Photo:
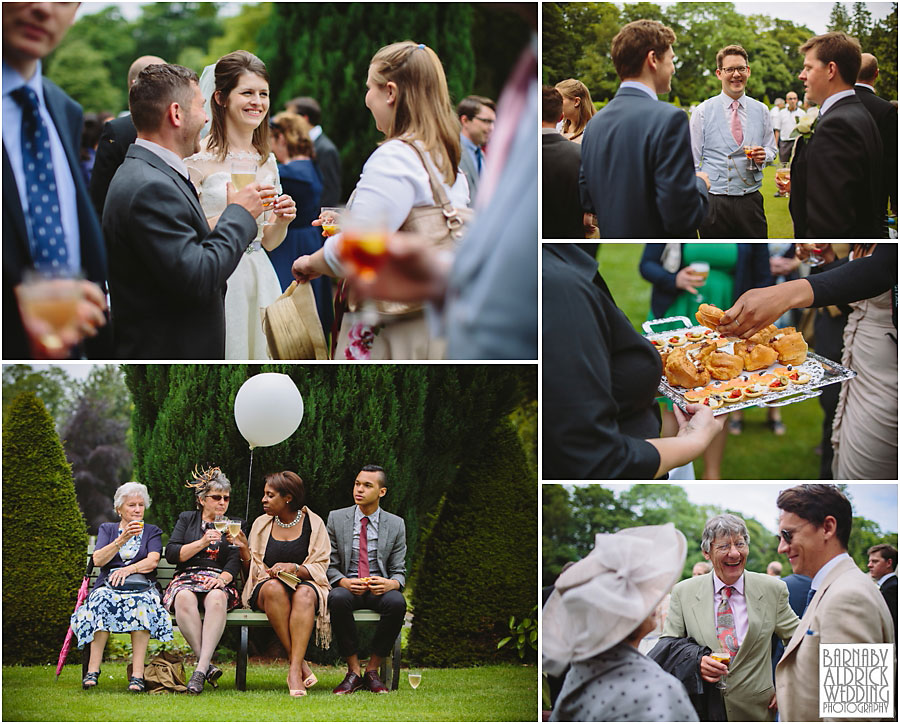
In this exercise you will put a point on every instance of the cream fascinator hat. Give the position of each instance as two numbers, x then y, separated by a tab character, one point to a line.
607	595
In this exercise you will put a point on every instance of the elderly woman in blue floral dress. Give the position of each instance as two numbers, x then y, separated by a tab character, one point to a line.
125	598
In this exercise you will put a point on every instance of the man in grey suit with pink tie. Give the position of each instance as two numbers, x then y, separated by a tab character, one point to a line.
637	172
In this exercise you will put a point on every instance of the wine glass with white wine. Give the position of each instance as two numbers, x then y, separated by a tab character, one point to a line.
415	678
723	657
234	529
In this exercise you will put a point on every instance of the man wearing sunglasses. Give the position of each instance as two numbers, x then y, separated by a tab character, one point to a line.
843	605
732	140
735	611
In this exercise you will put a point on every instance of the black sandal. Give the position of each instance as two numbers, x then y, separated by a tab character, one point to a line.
90	680
213	674
139	682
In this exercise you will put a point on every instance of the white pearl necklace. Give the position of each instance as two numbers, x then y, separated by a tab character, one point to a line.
288	525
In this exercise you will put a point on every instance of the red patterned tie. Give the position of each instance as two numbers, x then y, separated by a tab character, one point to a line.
363	566
725	622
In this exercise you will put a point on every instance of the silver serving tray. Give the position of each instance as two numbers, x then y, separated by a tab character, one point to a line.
822	372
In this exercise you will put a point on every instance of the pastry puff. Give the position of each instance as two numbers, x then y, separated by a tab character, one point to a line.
755	356
790	346
683	371
709	315
724	366
764	335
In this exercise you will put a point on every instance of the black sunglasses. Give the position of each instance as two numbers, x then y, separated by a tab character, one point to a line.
788	535
217	498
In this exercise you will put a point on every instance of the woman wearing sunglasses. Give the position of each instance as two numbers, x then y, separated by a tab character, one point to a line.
206	569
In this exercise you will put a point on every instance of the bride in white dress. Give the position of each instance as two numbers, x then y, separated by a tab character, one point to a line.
239	108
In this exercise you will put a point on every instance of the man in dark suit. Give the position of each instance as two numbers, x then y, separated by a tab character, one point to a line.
167	269
885	115
637	173
328	159
562	212
118	134
367	570
883	569
836	175
48	222
798	587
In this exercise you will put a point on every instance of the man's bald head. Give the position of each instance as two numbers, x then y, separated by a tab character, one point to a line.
141	63
868	69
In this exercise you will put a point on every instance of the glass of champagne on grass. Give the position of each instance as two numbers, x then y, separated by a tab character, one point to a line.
415	678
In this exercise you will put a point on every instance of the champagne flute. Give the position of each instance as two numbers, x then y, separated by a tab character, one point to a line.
51	296
723	657
700	268
415	678
783	175
234	529
269	203
243	173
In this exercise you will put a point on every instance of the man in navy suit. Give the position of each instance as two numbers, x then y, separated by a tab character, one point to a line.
48	221
836	176
885	115
637	173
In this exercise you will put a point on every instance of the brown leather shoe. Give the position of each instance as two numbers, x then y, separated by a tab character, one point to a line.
352	682
374	684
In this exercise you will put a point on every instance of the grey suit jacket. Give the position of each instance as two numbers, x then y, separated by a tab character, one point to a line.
167	269
467	166
391	545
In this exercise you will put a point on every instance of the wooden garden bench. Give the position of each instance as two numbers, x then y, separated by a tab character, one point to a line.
245	618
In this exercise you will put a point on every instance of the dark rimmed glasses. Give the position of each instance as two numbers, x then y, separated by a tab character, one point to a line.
218	497
788	535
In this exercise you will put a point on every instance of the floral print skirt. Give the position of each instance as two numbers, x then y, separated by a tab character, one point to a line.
191	580
121	612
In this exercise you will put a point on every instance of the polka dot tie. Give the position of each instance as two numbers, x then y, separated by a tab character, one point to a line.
48	244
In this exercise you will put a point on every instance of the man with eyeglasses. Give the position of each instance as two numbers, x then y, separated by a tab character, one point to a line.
476	119
735	611
843	607
732	141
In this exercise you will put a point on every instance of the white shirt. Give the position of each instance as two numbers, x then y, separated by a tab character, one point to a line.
170	157
639	86
881	580
393	181
787	122
12	141
866	85
832	99
823	571
314	133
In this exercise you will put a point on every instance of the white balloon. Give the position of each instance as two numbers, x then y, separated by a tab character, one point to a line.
268	409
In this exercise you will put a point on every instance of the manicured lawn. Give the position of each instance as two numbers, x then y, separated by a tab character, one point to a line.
490	693
777	213
757	453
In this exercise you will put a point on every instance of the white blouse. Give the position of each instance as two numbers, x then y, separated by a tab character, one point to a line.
392	183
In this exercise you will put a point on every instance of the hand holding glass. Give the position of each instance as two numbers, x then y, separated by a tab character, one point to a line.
330	220
50	298
783	179
701	269
723	657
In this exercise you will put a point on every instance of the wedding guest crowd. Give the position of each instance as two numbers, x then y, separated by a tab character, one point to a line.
176	236
713	660
648	172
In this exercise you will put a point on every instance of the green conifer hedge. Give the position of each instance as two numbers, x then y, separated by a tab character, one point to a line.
479	563
44	536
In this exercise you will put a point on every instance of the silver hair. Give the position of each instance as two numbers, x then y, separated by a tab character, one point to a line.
725	525
126	490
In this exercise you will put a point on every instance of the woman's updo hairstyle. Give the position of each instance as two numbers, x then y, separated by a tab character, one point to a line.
422	111
207	481
229	70
295	131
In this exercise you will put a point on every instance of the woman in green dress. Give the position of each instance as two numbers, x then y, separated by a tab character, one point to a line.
679	291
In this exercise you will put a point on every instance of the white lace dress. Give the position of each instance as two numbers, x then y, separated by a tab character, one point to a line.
254	284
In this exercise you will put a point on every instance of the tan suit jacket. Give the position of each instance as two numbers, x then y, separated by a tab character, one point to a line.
691	613
847	608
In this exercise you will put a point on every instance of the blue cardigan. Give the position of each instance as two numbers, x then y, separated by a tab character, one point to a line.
752	270
150	543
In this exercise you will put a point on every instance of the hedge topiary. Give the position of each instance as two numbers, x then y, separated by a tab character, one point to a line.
44	536
478	563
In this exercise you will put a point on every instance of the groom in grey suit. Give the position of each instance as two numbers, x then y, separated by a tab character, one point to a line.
374	580
167	269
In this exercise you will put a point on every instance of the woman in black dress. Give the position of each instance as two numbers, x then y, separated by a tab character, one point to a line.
206	570
289	538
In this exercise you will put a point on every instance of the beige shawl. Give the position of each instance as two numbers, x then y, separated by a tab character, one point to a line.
316	563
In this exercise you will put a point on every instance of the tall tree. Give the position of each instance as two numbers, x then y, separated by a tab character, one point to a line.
44	537
883	45
839	20
338	40
168	29
239	32
861	24
53	386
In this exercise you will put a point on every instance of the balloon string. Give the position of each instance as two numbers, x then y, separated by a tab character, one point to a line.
249	477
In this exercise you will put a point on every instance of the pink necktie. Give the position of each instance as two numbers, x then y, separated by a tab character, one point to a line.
736	129
363	567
